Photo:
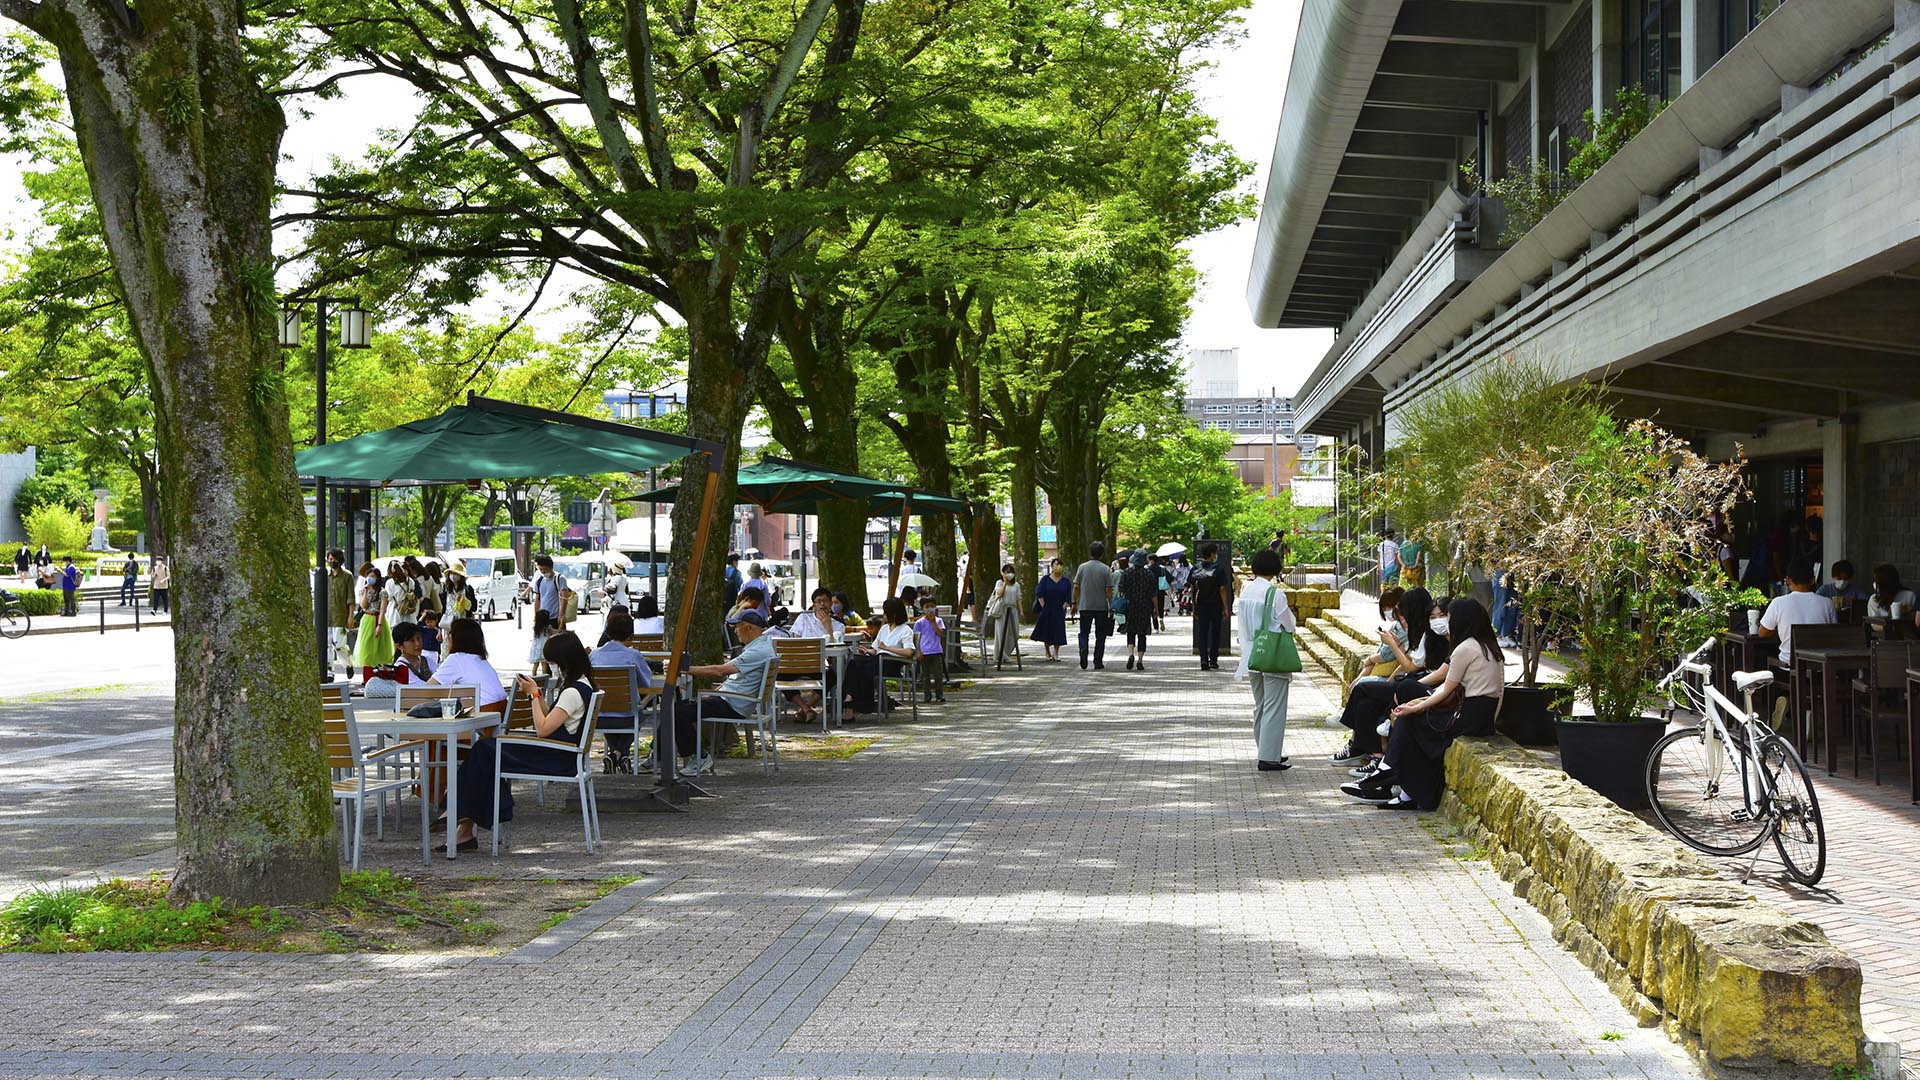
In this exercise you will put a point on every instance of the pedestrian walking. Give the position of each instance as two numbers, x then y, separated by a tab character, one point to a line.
618	590
69	587
22	562
1263	606
340	606
547	590
1141	588
1093	600
129	578
1181	574
1212	593
1389	560
930	635
42	558
158	594
1163	584
1003	616
373	643
730	589
1050	599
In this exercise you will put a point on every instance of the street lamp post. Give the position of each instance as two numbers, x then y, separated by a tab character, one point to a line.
355	330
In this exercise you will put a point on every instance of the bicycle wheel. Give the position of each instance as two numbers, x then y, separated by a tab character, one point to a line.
1798	832
1703	813
14	623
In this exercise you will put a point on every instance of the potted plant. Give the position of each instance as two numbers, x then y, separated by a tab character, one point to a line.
1605	524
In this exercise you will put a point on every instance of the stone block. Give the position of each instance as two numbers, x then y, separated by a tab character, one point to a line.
1743	981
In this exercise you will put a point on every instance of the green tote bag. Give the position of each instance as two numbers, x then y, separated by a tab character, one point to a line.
1272	651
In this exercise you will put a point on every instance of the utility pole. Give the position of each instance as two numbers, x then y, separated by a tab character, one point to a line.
1273	425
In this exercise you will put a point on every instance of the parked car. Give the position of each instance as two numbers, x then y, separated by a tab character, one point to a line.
781	576
587	576
494	576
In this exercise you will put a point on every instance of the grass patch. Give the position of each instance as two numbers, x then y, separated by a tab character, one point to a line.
49	696
374	911
810	747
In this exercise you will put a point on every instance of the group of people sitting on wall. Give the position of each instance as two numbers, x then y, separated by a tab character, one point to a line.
1438	674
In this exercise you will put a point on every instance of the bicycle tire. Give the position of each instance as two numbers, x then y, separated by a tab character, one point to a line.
1675	768
15	623
1799	833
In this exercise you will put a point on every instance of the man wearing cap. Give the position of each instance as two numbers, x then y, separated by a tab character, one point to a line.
744	674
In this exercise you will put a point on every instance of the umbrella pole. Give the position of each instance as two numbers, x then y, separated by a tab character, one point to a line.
672	789
973	556
900	544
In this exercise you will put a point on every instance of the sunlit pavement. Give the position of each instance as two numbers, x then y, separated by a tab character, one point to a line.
1059	873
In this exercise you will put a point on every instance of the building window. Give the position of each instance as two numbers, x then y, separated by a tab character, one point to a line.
1250	407
1739	17
1650	46
1215	410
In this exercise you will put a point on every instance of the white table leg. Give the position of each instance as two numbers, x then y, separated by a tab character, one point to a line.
426	807
453	795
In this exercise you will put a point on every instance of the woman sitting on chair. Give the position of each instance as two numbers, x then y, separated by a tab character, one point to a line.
559	719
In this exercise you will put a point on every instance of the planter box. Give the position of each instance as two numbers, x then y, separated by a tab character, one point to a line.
1527	714
1610	757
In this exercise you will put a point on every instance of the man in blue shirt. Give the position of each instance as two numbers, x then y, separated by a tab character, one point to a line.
546	589
1843	584
731	590
745	674
69	588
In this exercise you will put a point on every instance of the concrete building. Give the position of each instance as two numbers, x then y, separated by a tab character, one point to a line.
1746	271
14	470
1213	373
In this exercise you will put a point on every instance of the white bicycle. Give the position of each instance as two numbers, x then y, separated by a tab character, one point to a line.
1731	784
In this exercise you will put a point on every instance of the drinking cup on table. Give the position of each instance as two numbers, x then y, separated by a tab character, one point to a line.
1753	620
449	708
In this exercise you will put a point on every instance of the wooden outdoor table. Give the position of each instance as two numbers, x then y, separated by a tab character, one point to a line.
1741	651
1830	661
1913	729
399	725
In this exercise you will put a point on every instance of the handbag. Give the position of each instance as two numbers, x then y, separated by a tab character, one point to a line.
1272	652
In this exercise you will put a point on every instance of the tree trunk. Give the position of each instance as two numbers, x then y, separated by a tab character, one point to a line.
148	472
180	145
1026	522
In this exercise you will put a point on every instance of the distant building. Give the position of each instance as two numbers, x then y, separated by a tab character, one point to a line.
1243	415
1213	373
14	470
626	403
1259	459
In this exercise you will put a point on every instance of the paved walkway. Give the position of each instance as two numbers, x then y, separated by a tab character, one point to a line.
1061	874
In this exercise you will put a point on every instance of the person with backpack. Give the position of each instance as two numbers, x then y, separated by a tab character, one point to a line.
69	588
129	578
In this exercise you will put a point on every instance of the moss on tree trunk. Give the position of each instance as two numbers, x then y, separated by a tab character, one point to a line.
180	144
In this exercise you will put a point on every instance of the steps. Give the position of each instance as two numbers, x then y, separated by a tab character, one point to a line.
1336	647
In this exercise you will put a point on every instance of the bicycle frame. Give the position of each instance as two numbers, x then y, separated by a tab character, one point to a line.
1714	708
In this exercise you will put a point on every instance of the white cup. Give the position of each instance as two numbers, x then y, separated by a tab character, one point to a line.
449	708
1753	620
839	635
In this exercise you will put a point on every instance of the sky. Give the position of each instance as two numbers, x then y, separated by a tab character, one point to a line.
1243	90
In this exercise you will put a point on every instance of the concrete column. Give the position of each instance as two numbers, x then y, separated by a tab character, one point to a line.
1606	53
1540	103
1699	39
1843	474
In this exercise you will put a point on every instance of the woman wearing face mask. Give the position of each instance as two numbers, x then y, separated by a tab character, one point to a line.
1369	703
1003	617
843	610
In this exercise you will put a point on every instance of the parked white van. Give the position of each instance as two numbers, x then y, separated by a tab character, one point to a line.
493	575
587	575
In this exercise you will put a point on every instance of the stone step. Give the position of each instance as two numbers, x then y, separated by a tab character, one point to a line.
1359	629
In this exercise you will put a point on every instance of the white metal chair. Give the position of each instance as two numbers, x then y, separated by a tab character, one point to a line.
755	708
582	776
904	670
801	665
351	784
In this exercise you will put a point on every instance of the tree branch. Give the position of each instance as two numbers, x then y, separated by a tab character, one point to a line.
31	15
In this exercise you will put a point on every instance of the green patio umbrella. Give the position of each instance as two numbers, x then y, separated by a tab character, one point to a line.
490	440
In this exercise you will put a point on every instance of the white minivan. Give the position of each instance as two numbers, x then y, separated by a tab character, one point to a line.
587	575
494	576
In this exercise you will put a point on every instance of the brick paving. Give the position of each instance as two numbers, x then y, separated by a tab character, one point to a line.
1060	874
1869	900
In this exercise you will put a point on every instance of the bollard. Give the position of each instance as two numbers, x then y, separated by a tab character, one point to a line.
136	615
103	615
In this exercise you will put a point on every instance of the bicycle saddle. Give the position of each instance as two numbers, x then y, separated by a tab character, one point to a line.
1744	681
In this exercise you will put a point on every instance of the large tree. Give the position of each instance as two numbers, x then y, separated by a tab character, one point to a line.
180	142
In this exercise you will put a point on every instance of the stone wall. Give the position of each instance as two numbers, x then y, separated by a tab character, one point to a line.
1737	980
1892	509
1519	137
1572	66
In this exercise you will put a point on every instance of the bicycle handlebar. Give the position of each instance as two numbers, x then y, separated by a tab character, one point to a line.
1690	664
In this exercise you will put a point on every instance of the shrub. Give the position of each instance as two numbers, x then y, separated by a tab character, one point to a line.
1530	192
63	530
40	601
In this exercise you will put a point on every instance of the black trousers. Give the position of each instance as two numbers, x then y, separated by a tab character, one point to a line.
480	786
1206	631
1100	624
1370	702
1417	751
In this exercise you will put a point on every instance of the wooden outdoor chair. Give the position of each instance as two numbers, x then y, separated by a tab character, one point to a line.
351	782
757	712
625	707
1881	693
801	666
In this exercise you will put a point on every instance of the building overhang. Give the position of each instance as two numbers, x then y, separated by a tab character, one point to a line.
1383	99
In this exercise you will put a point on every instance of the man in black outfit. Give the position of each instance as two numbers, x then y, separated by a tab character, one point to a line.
1210	600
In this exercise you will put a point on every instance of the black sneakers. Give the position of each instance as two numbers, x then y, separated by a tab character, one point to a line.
1275	766
1347	757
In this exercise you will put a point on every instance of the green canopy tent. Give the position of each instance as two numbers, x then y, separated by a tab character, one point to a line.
488	439
780	486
